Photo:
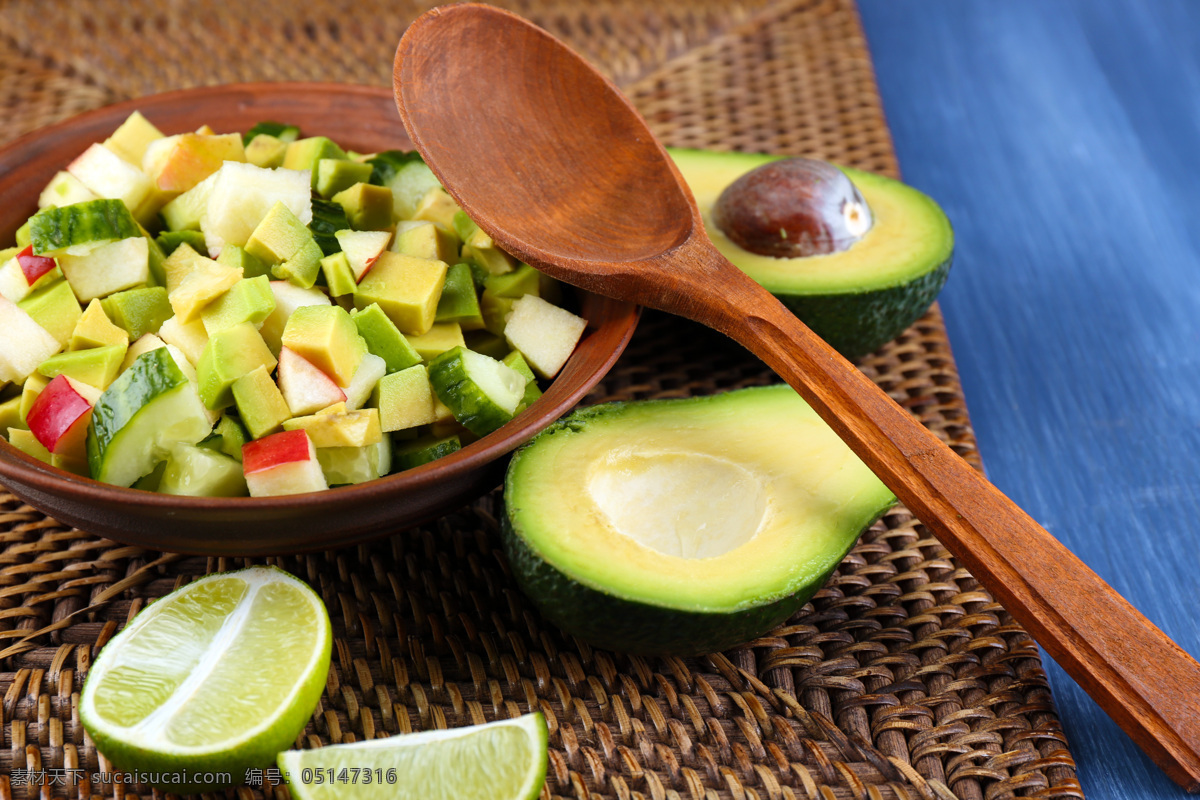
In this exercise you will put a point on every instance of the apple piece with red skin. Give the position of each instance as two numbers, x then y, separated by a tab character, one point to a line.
304	386
282	463
60	415
177	163
362	248
34	267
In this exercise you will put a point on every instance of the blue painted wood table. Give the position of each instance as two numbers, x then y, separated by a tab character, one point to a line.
1062	139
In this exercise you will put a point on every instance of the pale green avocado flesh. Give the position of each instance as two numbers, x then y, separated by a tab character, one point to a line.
684	526
857	299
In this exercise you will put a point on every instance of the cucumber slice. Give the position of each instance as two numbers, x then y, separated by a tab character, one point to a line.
78	229
149	408
482	393
423	450
201	472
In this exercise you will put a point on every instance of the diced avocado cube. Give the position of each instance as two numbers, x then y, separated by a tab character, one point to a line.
229	355
29	391
458	302
155	259
24	235
326	337
424	239
95	329
307	153
28	444
97	367
438	207
10	414
495	311
208	281
464	226
170	241
227	437
338	275
532	392
246	301
279	236
138	311
368	207
406	288
238	258
517	283
260	403
302	268
423	450
76	466
480	249
55	308
343	429
335	175
384	339
441	337
405	399
266	151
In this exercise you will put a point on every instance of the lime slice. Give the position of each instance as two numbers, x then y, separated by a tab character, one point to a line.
211	680
503	760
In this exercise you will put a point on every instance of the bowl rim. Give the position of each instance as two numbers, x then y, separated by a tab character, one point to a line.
22	468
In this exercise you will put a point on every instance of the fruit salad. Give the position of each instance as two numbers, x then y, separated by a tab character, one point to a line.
261	313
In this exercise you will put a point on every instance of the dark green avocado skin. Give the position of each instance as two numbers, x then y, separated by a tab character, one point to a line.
612	623
858	324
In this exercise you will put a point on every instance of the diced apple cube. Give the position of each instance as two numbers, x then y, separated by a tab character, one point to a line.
109	268
131	139
282	463
368	374
65	189
545	334
243	194
108	175
362	248
60	415
306	389
190	158
24	345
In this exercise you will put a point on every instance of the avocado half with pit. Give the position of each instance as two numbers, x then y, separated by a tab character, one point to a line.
859	298
684	526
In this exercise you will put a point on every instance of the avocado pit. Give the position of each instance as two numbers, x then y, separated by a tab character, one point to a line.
795	207
682	504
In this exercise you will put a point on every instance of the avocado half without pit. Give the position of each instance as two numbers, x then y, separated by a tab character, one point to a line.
684	526
856	256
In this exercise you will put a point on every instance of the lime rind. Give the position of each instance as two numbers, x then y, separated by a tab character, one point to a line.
443	772
144	745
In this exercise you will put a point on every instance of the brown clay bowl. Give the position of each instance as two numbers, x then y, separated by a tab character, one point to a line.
361	118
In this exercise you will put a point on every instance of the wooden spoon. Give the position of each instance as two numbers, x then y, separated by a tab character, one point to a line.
558	167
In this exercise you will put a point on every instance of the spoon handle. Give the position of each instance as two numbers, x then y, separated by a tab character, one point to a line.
1145	681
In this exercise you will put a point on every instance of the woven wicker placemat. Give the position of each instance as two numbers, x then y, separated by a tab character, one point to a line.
903	677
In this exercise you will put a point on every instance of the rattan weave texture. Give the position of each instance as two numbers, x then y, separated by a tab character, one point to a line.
903	678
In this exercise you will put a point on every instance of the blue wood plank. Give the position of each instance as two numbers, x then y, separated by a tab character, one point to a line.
1062	139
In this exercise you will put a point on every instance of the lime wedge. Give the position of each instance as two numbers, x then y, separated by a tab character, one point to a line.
503	760
211	680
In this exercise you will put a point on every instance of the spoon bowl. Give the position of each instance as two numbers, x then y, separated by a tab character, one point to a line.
558	167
